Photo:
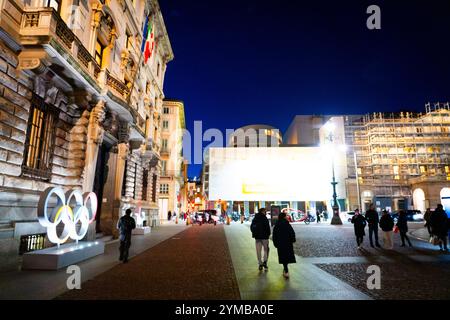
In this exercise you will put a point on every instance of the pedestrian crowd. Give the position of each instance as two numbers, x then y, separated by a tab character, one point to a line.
436	221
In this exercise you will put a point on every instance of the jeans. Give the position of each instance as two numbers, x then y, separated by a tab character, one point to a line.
359	240
443	241
124	248
373	230
260	244
404	237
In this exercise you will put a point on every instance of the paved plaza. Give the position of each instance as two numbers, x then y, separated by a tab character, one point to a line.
219	262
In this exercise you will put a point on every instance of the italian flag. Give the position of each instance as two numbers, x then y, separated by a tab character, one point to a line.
148	40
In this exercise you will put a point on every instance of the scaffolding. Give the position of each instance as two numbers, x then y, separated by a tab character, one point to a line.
392	148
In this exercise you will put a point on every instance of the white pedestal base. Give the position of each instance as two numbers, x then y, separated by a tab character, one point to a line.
55	258
141	230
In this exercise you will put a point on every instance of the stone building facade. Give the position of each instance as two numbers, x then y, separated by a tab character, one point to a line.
78	109
172	181
402	159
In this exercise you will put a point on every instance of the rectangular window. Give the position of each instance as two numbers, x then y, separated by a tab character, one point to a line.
166	110
144	184
99	47
157	70
164	188
165	124
154	181
129	44
423	169
163	167
164	144
55	4
40	140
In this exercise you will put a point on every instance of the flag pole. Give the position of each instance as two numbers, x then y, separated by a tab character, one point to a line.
138	68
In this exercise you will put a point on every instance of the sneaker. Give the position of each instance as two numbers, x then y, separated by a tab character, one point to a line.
286	274
260	267
359	248
265	265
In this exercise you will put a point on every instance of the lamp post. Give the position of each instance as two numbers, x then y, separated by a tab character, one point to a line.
336	220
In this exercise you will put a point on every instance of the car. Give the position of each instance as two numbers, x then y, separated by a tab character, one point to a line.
348	215
411	215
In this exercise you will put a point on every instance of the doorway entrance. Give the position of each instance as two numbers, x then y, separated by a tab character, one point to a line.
101	174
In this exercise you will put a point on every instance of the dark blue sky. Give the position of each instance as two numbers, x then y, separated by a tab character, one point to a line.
239	62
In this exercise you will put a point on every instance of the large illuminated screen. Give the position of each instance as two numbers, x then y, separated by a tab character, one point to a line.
270	174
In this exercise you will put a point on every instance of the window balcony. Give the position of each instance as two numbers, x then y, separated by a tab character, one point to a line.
47	41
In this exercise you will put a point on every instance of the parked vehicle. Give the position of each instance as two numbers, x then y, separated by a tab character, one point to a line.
411	215
348	215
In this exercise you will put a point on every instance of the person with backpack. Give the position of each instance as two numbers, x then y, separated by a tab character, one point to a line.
126	224
359	223
387	225
283	239
260	229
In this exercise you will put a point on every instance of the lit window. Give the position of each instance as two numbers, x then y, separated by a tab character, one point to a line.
129	43
395	169
423	169
40	140
397	177
99	52
447	169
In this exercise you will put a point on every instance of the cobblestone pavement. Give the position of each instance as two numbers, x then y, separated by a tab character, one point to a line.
194	264
420	272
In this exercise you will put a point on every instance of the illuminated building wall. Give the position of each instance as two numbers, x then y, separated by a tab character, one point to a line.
402	159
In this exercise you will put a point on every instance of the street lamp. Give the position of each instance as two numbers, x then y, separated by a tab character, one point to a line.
336	220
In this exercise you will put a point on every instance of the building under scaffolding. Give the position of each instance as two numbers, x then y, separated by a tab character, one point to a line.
402	159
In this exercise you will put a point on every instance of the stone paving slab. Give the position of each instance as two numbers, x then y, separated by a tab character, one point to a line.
306	280
194	265
43	285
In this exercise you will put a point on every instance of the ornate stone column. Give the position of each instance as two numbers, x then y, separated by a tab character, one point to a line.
94	140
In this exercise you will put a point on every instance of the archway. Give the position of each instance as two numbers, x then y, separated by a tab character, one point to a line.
445	200
419	200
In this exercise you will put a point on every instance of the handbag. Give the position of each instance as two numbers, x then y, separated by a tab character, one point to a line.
434	240
396	229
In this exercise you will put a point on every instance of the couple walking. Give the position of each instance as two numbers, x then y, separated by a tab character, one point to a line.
283	238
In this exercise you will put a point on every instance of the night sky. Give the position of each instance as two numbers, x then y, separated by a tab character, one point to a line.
240	62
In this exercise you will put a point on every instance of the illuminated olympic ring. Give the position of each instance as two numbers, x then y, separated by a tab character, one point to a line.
75	220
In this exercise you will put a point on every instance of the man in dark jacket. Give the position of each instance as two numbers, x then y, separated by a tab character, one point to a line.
439	226
387	225
126	224
359	223
260	228
373	220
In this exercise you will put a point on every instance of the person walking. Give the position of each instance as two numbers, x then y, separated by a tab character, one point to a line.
126	224
439	226
242	217
169	215
387	225
283	239
402	224
427	217
260	228
373	221
318	216
359	223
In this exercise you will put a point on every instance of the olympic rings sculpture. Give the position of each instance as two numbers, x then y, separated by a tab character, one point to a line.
75	221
